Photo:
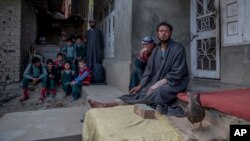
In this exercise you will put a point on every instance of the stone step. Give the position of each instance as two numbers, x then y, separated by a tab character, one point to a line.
104	93
47	51
208	131
44	125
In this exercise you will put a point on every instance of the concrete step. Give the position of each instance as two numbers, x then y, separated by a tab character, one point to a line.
104	93
208	85
54	124
44	125
208	131
223	120
47	51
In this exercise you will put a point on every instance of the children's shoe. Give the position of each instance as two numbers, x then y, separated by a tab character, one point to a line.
52	96
40	100
48	95
52	100
72	100
65	95
25	95
43	93
23	98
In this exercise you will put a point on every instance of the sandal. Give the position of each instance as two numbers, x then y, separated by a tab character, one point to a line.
175	111
171	110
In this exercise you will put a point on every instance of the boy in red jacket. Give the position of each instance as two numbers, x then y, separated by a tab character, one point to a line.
83	78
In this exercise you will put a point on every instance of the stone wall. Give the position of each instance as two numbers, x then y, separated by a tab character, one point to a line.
147	14
18	32
235	65
10	29
118	68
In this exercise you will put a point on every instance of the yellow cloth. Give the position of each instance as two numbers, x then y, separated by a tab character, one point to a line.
122	124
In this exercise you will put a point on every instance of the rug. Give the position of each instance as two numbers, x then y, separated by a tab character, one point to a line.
232	102
122	124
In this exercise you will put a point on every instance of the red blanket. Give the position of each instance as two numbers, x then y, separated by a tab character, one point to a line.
231	102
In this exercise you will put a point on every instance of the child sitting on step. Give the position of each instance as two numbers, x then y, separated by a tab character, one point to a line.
59	65
35	72
67	76
51	79
83	78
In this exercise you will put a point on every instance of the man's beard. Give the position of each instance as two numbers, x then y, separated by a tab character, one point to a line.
164	41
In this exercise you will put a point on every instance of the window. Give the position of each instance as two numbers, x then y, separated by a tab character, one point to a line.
235	20
107	24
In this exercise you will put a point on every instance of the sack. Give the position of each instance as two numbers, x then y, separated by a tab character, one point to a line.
98	73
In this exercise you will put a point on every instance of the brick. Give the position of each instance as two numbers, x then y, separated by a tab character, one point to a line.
16	79
144	111
3	77
8	81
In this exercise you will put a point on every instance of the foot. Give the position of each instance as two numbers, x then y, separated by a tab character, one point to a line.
65	95
48	95
72	100
40	100
22	99
95	104
51	100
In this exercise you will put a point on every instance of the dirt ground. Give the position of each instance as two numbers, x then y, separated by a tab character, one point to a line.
32	103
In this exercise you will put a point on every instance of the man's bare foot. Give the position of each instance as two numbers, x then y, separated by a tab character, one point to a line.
95	104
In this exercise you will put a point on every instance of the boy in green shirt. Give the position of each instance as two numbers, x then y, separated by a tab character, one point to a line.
35	72
80	49
68	75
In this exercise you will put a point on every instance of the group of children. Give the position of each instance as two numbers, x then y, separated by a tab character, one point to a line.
74	50
71	74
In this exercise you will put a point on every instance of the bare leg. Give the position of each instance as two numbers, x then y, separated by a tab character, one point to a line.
200	124
96	104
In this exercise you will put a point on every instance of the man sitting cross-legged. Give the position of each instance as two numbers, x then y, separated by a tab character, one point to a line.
166	74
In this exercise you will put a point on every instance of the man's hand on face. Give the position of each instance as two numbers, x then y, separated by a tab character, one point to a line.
143	51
